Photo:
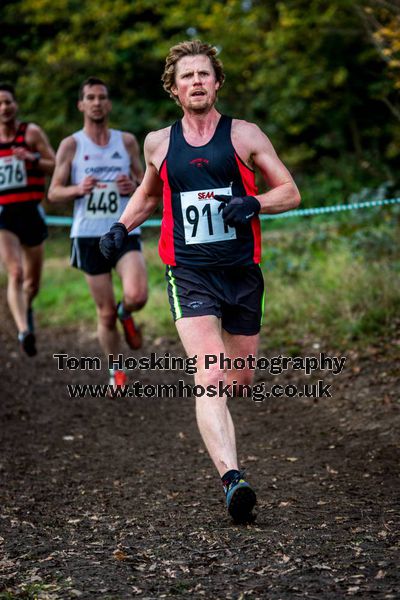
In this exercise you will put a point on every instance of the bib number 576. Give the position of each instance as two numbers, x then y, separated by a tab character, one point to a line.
12	173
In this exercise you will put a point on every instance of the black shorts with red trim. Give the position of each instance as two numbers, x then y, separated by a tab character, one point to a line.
26	220
233	294
86	255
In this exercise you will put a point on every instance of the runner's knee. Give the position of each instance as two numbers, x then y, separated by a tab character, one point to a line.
15	274
211	375
135	300
244	377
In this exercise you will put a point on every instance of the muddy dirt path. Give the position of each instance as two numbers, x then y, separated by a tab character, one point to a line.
116	498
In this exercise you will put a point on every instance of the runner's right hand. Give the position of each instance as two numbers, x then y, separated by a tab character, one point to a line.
86	185
113	242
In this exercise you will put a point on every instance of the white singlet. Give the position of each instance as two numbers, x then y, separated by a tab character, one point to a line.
96	212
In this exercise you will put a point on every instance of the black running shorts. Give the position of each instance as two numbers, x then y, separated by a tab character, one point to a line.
26	220
86	255
234	294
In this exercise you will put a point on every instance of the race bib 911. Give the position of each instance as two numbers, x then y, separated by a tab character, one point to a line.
202	217
12	173
103	200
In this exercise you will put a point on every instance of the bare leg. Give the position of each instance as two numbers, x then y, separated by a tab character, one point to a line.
201	336
239	346
11	257
102	292
32	258
132	270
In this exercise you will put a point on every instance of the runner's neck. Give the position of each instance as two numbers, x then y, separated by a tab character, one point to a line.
98	133
8	131
199	129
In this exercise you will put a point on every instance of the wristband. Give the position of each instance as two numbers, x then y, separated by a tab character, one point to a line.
37	157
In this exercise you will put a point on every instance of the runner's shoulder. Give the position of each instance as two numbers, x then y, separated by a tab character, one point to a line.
67	148
129	139
241	127
156	142
33	128
248	138
34	133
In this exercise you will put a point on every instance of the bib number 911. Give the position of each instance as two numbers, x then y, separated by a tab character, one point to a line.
103	200
202	217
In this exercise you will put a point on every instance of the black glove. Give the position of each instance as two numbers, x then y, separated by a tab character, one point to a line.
112	243
239	210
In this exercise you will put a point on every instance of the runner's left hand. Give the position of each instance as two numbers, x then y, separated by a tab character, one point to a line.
126	186
238	210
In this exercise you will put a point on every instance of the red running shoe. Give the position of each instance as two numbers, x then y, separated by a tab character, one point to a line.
118	379
133	335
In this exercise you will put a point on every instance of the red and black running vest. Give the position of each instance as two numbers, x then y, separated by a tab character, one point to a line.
20	181
192	231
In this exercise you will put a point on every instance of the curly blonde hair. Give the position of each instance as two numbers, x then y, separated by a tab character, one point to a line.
189	48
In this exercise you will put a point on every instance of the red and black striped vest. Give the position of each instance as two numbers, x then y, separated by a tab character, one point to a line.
19	182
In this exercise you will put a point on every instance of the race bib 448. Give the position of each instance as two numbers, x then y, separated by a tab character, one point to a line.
202	217
103	200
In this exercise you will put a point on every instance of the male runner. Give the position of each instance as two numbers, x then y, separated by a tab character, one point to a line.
202	168
26	156
99	168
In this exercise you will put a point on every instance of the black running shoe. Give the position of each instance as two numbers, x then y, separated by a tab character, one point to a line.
240	499
27	342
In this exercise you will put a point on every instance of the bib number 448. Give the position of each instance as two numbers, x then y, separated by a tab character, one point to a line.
103	200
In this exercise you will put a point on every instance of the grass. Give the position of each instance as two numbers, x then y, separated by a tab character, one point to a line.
64	299
330	280
338	300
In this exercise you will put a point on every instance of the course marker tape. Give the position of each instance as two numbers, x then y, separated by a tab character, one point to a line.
302	212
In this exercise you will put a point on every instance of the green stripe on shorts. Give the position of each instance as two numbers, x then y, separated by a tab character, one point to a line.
262	307
177	306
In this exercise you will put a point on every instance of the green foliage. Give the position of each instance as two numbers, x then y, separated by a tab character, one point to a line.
319	76
337	300
334	279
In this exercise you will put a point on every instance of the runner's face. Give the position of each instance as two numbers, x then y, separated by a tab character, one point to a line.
95	104
8	107
195	83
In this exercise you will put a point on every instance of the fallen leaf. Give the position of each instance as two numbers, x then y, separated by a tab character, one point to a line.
380	574
120	554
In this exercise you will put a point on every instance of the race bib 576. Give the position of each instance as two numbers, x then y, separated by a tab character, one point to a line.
12	173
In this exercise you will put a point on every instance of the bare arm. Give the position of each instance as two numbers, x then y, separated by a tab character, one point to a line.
128	183
38	143
60	190
133	149
253	145
149	193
